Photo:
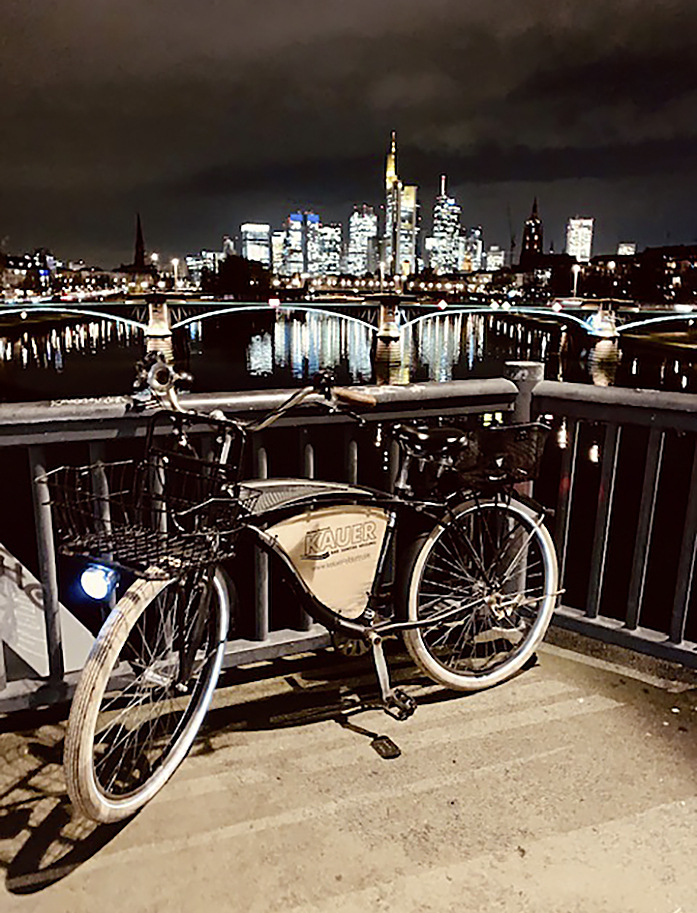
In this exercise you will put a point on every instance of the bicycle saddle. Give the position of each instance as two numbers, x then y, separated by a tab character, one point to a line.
429	442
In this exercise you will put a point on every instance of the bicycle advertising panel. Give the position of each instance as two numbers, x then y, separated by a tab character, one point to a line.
335	551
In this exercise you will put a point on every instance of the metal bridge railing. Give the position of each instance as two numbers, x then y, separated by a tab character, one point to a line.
626	515
47	435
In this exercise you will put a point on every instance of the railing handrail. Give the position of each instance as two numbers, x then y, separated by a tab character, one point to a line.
103	417
619	405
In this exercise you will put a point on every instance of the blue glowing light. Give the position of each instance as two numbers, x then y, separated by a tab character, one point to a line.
98	581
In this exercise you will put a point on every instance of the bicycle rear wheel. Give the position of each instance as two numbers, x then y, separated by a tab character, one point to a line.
144	692
484	585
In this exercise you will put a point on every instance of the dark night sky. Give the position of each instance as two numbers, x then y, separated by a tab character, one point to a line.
205	114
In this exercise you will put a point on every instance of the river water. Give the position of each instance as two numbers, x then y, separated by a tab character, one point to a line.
55	357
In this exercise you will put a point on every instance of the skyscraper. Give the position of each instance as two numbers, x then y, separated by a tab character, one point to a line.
293	246
531	247
361	257
579	238
401	218
256	242
330	244
312	244
444	253
278	244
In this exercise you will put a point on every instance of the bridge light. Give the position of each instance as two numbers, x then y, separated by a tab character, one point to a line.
594	453
98	582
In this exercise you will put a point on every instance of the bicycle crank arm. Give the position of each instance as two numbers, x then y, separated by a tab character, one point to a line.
395	702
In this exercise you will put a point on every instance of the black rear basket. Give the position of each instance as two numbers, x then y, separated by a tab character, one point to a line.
502	454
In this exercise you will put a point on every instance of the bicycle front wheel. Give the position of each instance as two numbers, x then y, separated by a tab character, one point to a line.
144	692
482	586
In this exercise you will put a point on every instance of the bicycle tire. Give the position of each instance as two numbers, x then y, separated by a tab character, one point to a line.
139	637
489	571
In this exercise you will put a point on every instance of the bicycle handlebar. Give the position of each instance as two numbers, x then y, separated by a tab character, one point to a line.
161	381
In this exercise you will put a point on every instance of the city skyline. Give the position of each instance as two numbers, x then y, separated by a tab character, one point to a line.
206	117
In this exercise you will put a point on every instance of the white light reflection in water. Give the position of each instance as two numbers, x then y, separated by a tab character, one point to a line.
260	355
308	343
47	349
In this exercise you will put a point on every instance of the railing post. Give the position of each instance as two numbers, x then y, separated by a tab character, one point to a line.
47	564
261	559
159	332
525	375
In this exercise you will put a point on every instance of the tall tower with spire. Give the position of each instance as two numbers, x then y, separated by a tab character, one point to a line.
401	218
531	246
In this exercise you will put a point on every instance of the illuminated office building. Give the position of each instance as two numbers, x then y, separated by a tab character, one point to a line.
294	246
401	219
579	238
533	236
361	257
312	244
330	244
495	258
444	248
471	250
278	243
207	260
626	249
256	242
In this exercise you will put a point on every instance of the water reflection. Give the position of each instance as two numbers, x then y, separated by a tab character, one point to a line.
44	358
49	348
308	343
448	346
603	362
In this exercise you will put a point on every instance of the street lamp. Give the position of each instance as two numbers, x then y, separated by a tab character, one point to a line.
575	270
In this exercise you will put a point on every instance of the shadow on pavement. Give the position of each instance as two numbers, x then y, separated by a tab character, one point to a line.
40	840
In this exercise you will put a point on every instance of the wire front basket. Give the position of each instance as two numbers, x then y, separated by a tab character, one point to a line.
156	517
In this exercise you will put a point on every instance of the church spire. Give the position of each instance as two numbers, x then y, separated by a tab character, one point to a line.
139	256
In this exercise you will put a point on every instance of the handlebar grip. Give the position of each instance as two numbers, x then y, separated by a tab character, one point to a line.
354	396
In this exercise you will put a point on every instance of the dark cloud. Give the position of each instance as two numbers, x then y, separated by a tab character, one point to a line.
206	114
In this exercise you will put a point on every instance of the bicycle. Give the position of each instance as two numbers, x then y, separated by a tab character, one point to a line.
471	591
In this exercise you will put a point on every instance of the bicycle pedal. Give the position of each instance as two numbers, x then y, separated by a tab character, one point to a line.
400	705
385	747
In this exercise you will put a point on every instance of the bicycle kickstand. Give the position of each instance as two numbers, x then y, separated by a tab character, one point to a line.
395	702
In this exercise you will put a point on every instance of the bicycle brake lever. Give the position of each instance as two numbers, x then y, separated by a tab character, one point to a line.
333	406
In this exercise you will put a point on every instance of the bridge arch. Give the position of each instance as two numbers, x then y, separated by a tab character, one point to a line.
650	321
558	316
78	312
265	308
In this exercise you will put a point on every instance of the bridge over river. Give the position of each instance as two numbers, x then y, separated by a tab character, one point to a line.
579	314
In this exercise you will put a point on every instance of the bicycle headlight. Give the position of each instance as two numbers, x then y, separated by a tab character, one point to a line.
98	582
